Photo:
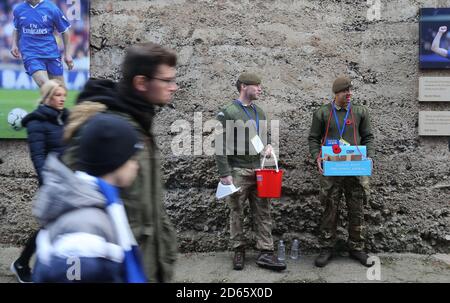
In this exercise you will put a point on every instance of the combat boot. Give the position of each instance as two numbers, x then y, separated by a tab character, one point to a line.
239	259
323	258
267	259
361	256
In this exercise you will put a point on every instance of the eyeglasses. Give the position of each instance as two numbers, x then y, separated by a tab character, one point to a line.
168	81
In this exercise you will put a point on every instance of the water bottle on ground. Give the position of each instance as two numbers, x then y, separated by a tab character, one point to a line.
281	251
294	250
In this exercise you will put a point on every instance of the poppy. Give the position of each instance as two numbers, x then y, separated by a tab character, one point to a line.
336	149
348	122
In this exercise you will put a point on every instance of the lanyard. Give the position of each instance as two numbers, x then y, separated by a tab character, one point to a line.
341	132
248	115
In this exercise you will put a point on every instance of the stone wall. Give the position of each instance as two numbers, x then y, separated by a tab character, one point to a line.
298	47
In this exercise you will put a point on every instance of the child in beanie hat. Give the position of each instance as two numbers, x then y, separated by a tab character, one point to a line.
106	143
82	215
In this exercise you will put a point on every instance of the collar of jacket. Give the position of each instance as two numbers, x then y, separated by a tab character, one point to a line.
47	113
340	107
118	97
137	107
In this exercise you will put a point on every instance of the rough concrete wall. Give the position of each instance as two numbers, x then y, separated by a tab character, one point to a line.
299	47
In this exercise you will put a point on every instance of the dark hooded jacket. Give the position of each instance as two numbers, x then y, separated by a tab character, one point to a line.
144	198
45	127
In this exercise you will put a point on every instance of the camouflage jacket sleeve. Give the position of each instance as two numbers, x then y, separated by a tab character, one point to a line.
220	146
365	131
316	134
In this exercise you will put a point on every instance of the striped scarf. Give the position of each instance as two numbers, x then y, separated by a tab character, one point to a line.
134	272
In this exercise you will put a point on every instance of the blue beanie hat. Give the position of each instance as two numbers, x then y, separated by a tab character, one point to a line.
107	142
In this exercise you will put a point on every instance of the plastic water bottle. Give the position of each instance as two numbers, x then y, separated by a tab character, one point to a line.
281	251
294	250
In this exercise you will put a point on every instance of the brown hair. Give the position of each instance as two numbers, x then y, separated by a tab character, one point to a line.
144	59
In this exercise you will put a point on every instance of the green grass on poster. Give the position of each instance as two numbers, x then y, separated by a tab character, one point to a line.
25	99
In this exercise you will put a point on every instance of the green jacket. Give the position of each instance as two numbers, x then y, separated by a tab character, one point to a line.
364	135
233	146
143	200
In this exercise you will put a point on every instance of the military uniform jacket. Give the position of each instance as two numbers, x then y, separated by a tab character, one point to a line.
358	123
233	146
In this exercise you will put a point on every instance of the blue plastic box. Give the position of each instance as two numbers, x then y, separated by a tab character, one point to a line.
351	161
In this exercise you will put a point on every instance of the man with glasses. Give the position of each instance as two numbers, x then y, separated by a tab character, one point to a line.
148	80
341	122
244	127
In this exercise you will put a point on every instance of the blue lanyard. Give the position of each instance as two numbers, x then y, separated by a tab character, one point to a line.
248	115
341	132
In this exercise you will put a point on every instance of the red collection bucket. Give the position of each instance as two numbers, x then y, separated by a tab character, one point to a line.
268	181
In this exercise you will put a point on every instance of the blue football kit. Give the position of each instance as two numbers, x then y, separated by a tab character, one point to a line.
37	44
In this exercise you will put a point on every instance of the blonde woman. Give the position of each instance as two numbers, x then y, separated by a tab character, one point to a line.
45	131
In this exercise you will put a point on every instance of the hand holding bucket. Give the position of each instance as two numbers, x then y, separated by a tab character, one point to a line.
268	181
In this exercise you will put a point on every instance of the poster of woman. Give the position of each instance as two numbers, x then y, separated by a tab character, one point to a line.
39	40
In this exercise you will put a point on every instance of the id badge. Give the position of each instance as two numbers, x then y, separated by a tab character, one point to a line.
257	144
331	142
342	142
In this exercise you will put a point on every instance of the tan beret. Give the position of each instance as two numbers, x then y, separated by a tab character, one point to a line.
249	79
341	83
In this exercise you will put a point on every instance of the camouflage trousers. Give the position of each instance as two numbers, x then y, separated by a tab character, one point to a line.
260	209
356	193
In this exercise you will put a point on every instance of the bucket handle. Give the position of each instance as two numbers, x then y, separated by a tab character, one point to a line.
264	160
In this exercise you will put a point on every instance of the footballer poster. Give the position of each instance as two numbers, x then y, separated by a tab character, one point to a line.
39	39
434	38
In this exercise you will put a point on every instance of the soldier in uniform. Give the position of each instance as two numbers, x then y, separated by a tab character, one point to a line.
344	123
244	127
